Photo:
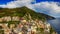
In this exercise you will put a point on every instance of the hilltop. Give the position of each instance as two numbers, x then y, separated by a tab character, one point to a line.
23	11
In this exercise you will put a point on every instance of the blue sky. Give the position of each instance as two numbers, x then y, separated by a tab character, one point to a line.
50	7
5	1
48	0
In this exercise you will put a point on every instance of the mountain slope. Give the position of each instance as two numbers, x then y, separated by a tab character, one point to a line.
22	11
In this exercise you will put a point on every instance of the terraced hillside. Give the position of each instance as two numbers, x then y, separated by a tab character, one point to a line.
24	21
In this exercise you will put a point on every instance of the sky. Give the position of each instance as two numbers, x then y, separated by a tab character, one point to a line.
50	7
5	1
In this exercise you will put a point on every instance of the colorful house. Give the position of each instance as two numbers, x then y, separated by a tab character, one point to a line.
25	21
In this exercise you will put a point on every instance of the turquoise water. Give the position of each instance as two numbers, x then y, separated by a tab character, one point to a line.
55	24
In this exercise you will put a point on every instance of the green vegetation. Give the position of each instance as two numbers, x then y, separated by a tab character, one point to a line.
21	12
52	30
1	31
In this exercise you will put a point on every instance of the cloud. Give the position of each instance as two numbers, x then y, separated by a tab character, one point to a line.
3	6
47	6
16	3
51	8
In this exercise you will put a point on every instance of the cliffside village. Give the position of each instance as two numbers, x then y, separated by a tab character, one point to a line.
25	26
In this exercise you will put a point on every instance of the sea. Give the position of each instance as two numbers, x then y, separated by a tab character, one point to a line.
55	23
